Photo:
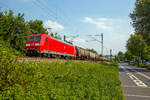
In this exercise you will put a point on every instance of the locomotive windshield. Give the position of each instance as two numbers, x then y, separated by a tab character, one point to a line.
34	38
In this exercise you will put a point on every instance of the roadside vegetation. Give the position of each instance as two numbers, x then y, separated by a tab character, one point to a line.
55	80
60	81
138	45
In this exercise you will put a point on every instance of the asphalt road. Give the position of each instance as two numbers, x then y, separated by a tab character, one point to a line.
135	82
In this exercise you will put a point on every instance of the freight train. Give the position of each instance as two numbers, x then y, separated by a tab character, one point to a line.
45	45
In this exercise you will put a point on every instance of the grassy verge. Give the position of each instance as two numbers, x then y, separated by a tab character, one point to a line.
61	81
55	80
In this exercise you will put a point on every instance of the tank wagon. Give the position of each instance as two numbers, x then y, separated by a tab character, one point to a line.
45	45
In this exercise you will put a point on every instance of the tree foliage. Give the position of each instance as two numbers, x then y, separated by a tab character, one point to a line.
117	59
13	29
128	55
92	50
121	55
141	19
137	46
36	26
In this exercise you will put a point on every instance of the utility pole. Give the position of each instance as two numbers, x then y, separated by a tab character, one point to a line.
110	54
102	44
101	41
64	37
71	38
49	30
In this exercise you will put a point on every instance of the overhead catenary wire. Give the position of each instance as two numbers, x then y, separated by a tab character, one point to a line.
100	41
6	6
58	15
63	16
43	8
46	7
53	14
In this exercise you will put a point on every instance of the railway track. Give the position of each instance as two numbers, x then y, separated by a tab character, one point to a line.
44	59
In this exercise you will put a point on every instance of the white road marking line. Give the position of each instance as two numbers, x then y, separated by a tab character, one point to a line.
125	70
142	96
141	74
137	81
144	75
127	86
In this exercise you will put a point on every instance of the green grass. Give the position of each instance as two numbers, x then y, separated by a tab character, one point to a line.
61	81
56	81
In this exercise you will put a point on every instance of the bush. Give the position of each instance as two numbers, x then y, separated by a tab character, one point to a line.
11	72
66	80
145	66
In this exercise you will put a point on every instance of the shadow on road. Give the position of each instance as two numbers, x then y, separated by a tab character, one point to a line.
129	68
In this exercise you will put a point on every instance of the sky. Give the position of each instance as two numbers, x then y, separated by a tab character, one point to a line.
81	20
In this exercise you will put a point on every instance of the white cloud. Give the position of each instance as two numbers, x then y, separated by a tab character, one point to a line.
54	25
89	20
79	40
104	19
101	23
116	32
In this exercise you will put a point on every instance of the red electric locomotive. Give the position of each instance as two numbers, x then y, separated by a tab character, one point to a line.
43	44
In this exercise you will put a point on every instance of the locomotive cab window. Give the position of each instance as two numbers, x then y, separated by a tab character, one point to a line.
30	38
34	38
37	38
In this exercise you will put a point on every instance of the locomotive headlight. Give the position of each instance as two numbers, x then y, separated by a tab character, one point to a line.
27	44
37	44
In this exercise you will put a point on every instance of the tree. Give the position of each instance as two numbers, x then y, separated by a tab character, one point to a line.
13	29
92	50
141	19
146	56
137	46
117	59
36	27
121	55
128	55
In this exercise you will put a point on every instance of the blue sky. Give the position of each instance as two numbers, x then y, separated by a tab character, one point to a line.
82	18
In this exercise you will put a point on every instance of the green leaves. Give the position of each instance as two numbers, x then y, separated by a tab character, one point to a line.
14	29
37	27
67	80
136	47
141	19
136	44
